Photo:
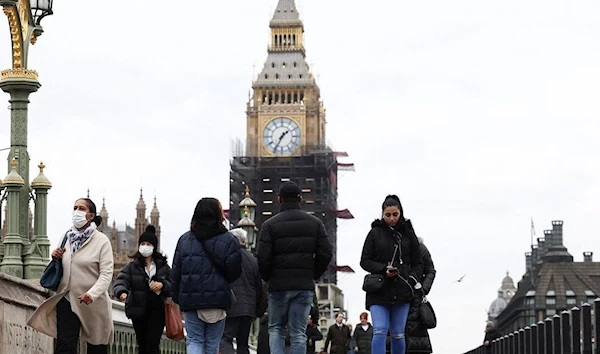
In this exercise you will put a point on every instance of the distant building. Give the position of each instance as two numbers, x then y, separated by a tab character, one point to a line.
124	240
505	294
553	282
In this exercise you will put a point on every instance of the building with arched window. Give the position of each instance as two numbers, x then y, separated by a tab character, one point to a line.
553	282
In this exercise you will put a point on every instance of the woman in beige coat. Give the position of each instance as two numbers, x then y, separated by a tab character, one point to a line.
81	306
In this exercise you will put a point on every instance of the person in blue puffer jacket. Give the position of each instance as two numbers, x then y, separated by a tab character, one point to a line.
207	259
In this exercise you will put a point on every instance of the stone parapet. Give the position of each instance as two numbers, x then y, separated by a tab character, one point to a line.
18	299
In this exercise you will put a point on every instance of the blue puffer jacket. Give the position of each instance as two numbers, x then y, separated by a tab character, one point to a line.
195	282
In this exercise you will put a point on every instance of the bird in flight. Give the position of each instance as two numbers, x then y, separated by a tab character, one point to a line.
459	279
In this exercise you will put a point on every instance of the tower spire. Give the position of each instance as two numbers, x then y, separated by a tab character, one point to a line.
286	14
155	221
140	220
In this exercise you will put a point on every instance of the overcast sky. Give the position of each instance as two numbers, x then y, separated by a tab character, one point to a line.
478	115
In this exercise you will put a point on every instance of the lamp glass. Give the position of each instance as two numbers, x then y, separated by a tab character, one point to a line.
40	9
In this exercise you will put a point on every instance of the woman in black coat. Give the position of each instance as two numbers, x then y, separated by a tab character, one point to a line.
143	285
391	253
362	339
417	337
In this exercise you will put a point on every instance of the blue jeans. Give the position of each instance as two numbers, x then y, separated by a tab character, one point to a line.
291	308
202	337
392	317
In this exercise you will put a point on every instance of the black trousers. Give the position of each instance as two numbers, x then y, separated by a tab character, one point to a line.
149	329
238	328
68	328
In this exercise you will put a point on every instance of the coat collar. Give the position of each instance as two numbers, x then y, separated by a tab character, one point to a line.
289	206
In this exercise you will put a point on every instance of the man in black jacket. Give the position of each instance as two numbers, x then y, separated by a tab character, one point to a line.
247	290
293	252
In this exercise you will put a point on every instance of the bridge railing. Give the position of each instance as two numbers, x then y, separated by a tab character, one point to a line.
124	340
572	331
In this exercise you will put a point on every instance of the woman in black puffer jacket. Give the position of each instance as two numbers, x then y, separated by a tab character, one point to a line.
417	337
143	285
391	251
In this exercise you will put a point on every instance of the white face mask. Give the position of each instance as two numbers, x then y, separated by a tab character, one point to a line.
79	218
146	251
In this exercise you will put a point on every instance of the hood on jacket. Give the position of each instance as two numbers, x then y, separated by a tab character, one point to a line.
205	229
381	223
421	242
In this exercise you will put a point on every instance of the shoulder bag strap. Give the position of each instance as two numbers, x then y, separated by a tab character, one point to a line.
210	257
64	240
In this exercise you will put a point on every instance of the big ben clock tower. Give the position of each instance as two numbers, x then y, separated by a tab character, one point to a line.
285	116
285	138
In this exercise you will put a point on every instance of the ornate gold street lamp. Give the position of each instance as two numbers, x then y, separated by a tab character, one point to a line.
21	254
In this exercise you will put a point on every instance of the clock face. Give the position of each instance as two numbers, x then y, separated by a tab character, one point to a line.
282	136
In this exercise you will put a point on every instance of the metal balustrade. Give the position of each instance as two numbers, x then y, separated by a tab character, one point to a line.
570	332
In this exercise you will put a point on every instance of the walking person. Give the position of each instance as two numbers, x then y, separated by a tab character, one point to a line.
338	335
207	259
293	252
362	339
417	336
81	307
247	290
391	250
144	284
313	334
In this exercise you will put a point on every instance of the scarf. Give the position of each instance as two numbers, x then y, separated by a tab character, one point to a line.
77	238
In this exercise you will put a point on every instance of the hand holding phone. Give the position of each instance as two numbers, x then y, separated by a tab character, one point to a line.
391	271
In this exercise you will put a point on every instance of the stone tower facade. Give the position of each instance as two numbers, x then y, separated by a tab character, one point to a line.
285	115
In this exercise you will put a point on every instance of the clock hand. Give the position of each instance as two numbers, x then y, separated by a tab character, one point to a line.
281	138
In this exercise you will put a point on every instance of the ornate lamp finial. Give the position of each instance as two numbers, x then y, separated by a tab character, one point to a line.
41	182
13	177
246	211
247	192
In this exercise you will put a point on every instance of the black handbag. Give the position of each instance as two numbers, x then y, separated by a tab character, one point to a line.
54	271
373	283
428	319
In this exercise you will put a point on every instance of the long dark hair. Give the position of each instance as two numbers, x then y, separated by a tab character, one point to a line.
391	201
208	212
92	210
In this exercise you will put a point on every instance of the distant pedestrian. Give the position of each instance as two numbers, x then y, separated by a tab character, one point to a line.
247	291
392	251
81	307
491	334
362	339
293	252
313	334
417	336
338	335
207	259
144	285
